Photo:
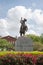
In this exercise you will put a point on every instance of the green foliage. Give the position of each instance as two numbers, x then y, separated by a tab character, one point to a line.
41	37
4	44
34	37
38	41
38	46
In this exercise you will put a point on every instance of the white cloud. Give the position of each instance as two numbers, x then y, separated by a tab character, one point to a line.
3	27
38	17
11	23
32	32
17	12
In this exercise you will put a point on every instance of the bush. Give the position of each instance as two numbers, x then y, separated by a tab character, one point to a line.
8	60
21	59
39	60
11	59
37	46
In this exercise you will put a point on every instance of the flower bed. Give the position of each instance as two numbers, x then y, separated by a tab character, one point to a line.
21	58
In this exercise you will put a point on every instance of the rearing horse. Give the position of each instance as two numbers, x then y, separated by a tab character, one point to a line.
23	27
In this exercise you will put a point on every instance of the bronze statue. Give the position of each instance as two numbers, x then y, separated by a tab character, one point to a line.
23	27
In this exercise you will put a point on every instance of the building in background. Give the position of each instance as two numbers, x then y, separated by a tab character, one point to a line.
10	39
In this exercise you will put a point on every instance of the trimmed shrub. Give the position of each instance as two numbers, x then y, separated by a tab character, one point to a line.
21	59
11	59
39	60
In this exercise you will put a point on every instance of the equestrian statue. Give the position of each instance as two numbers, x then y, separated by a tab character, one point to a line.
23	27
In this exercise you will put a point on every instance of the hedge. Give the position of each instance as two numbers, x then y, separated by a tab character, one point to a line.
21	58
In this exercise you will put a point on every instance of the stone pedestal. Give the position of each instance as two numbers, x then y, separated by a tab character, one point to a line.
24	44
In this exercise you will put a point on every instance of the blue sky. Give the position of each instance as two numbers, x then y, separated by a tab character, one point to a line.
7	4
12	10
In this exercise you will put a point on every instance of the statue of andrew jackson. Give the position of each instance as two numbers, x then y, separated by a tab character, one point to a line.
23	27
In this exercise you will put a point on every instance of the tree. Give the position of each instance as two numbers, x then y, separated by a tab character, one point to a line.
37	40
4	44
34	37
37	46
41	37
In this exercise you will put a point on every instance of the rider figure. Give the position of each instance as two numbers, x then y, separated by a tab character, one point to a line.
23	26
23	21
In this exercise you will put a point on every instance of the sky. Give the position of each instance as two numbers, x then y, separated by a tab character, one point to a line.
11	12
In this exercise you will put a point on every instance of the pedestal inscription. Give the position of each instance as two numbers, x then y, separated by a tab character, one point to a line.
24	44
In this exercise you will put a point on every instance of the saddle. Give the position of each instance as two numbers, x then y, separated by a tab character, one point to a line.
23	28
